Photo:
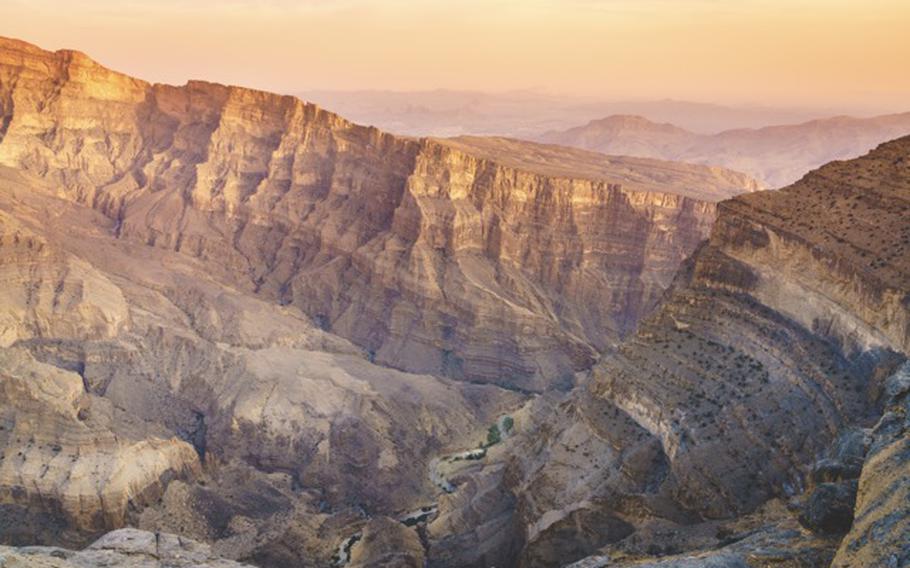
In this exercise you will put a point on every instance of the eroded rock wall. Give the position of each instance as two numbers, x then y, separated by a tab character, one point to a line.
435	256
775	339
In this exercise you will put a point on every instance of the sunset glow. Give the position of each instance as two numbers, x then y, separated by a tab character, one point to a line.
823	52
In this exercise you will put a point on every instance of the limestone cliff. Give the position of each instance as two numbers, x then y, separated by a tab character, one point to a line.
204	288
139	388
772	347
435	256
73	456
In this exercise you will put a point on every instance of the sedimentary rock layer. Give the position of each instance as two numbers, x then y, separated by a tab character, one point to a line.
772	346
127	548
436	256
778	336
138	388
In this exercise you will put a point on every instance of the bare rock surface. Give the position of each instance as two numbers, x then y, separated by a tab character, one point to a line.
73	455
515	265
123	547
239	318
880	533
761	377
186	405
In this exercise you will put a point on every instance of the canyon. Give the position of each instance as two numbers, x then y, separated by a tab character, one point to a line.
423	252
771	379
255	332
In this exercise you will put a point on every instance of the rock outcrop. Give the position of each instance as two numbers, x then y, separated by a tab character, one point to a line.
880	533
428	253
776	155
772	347
68	460
139	388
205	287
126	548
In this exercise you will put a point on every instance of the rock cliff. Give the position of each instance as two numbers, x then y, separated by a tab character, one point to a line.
236	317
880	531
430	254
138	388
741	406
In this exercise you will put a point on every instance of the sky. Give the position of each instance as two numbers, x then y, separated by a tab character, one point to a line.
832	53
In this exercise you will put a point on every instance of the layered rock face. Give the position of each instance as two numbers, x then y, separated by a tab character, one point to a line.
433	255
789	317
70	458
749	394
880	534
138	388
788	321
204	288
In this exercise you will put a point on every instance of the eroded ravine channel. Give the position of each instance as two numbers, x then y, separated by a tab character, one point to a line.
441	472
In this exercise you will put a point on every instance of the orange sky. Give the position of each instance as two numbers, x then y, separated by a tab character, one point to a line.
797	52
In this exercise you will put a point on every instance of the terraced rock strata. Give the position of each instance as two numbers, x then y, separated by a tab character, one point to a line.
435	256
774	345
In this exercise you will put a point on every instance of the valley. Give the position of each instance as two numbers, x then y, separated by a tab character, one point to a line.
238	329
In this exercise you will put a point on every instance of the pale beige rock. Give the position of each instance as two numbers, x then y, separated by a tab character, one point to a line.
492	261
295	425
44	294
775	338
62	449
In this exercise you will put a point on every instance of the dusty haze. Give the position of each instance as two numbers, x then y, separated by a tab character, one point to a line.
824	53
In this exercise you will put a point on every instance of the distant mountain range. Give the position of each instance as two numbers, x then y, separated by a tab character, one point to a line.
776	155
527	114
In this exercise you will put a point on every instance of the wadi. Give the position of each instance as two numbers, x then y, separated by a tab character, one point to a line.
238	329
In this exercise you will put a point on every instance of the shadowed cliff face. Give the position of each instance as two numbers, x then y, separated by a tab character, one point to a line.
776	341
138	387
779	336
181	267
433	255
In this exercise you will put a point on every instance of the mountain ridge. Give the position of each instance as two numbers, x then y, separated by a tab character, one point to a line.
776	154
736	424
233	316
276	187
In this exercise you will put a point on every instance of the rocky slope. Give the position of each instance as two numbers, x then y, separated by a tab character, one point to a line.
776	155
880	532
427	253
128	548
205	287
138	388
739	421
